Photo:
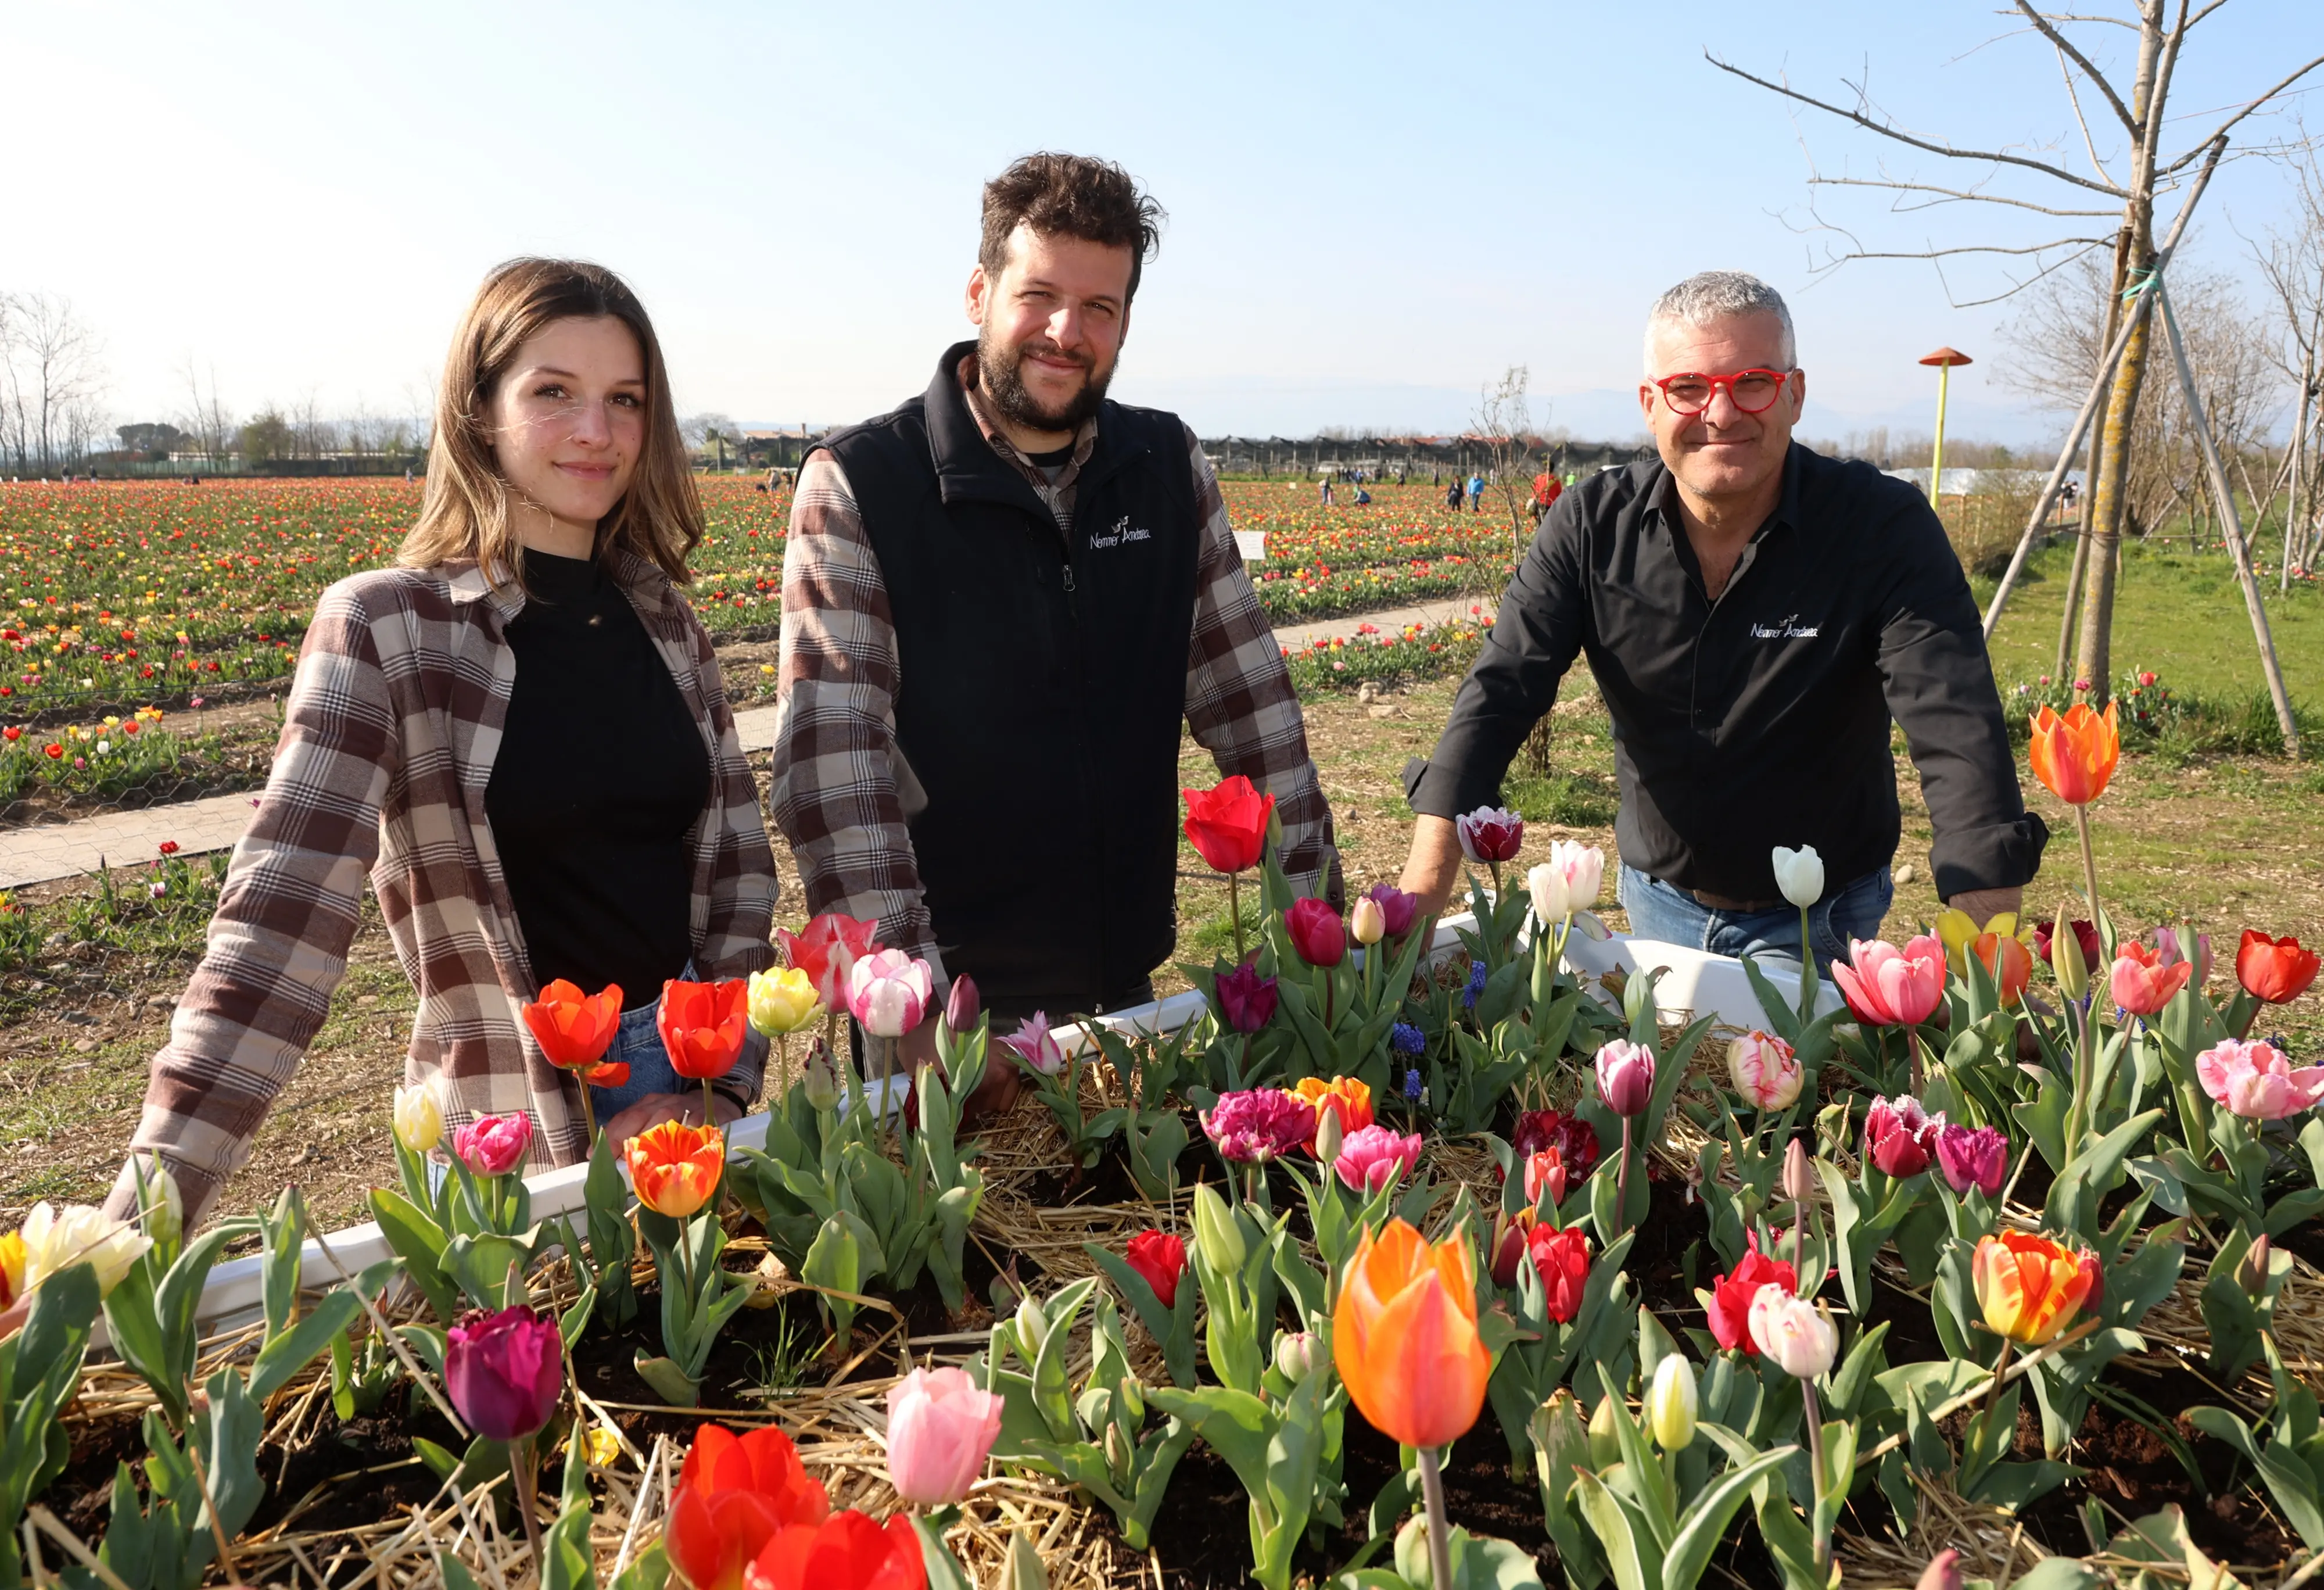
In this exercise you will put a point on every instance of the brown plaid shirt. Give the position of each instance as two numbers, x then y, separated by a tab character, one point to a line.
386	748
835	795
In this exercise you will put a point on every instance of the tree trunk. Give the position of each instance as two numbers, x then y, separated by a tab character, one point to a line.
2093	659
2096	461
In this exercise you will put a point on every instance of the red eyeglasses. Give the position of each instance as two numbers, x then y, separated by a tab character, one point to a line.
1753	391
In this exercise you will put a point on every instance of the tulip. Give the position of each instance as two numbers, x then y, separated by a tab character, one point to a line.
1799	875
782	1000
1626	1077
888	993
2276	971
1972	1157
1763	1070
1367	923
1246	999
1888	987
703	1025
1671	1403
1316	932
1161	1259
1545	1171
1733	1294
1398	910
1330	1137
2141	985
1349	1098
847	1551
2030	1287
1899	1136
2075	756
1568	882
1955	928
1943	1571
1403	1336
13	1263
1799	1172
573	1028
419	1118
819	1079
828	951
1574	1139
1218	1234
1605	1440
675	1168
2085	935
2252	1271
2007	962
2071	959
1033	1044
963	1006
162	1204
57	1239
1792	1333
1561	1259
505	1371
1258	1124
493	1145
1375	1157
2256	1081
733	1494
1508	1248
2194	949
1491	833
1227	825
941	1425
1294	1354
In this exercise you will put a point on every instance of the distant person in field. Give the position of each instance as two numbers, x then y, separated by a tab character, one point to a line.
1452	496
1754	614
1327	491
1003	603
519	733
1547	488
1476	493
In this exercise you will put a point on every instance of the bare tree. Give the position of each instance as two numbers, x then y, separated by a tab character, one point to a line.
207	419
1504	428
55	373
2124	190
2292	264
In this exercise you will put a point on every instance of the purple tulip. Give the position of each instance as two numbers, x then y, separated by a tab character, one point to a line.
1975	1157
964	1005
1400	909
1246	999
505	1371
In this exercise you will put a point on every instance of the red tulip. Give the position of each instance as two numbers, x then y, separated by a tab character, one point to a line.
2276	970
703	1025
2086	936
1228	825
572	1028
1732	1294
1900	1136
846	1552
1563	1257
1161	1259
827	951
733	1495
1316	931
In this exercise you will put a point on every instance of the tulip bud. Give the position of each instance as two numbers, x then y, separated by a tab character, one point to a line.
820	1079
1560	1444
2251	1272
1032	1327
1798	1173
1329	1134
1605	1443
2066	959
1116	1456
1217	1232
419	1118
1943	1571
1294	1354
963	1005
1670	1404
1366	922
1508	1250
165	1206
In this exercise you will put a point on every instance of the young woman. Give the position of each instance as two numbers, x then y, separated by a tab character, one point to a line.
521	734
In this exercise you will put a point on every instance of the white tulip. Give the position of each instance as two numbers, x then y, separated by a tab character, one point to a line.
1799	874
56	1240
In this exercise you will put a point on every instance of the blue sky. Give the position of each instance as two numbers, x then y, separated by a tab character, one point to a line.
1372	209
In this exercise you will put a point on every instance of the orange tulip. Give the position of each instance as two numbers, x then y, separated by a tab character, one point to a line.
2074	756
2009	962
1348	1097
703	1025
1405	1336
574	1028
675	1168
2029	1286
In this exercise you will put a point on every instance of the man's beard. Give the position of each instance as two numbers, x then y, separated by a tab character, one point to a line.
998	379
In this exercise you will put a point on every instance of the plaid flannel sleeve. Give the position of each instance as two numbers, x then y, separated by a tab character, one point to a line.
835	793
278	943
1240	703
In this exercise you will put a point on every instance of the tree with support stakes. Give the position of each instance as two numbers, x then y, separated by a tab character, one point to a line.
2163	29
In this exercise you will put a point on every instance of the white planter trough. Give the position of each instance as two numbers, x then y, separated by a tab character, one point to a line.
1695	985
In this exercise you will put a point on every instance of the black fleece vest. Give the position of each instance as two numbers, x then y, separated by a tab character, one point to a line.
1042	689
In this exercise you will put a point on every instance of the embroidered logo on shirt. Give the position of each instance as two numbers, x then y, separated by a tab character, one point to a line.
1120	532
1787	628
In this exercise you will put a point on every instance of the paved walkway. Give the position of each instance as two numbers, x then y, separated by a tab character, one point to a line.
65	850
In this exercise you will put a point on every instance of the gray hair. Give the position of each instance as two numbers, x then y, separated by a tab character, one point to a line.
1719	295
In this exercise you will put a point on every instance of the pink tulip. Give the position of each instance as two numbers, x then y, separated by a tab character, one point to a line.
493	1145
1316	932
1256	1124
1032	1044
1626	1077
940	1428
888	992
1376	1156
1889	988
2143	984
2256	1082
1972	1157
1901	1136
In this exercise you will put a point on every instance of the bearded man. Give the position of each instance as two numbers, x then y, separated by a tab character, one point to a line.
1001	602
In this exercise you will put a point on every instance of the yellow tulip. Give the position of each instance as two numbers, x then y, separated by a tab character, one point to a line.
783	1000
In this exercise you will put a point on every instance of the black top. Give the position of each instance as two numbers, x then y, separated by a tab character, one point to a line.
1760	719
601	774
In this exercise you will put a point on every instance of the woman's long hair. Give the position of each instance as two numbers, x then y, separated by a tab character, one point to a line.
464	510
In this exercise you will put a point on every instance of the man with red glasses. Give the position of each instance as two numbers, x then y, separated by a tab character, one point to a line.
1754	613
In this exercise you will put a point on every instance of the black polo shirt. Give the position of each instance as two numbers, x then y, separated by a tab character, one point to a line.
1762	718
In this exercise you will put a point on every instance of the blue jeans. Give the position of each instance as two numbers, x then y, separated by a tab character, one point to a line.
639	1042
1670	915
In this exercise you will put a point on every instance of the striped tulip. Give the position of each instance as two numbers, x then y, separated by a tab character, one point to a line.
2030	1287
676	1166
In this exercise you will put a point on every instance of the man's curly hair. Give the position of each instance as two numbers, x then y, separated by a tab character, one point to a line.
1070	196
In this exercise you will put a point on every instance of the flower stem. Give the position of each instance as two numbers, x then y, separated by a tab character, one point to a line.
1622	1179
2000	1363
588	1113
527	1493
708	1118
1816	1465
1807	970
1912	1046
1440	1539
1234	910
